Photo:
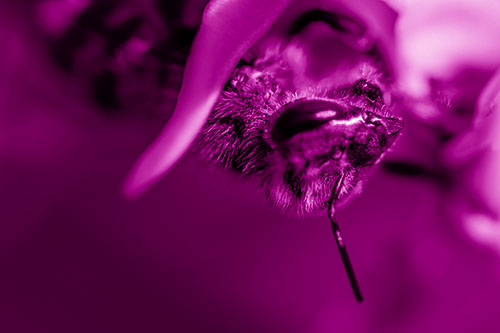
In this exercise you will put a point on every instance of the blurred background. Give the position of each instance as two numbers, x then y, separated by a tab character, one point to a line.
86	85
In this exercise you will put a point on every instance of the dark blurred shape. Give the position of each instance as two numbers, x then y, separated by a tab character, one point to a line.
63	49
104	86
99	49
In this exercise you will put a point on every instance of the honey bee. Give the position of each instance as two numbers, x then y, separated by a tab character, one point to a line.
308	110
297	130
308	116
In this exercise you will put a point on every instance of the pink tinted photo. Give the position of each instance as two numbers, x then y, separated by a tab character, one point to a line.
305	166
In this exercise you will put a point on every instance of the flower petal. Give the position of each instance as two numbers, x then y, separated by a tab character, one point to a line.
227	30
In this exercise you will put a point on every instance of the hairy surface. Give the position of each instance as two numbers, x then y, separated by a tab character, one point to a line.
298	157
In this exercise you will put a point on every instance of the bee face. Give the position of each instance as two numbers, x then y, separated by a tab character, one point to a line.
300	111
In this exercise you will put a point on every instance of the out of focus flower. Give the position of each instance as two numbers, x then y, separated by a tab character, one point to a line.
436	40
476	153
450	48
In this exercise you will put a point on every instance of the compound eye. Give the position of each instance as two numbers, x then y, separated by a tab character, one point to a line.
370	91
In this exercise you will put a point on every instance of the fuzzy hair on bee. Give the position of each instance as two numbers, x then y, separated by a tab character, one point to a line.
257	127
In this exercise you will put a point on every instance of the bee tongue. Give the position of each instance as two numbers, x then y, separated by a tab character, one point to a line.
304	115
